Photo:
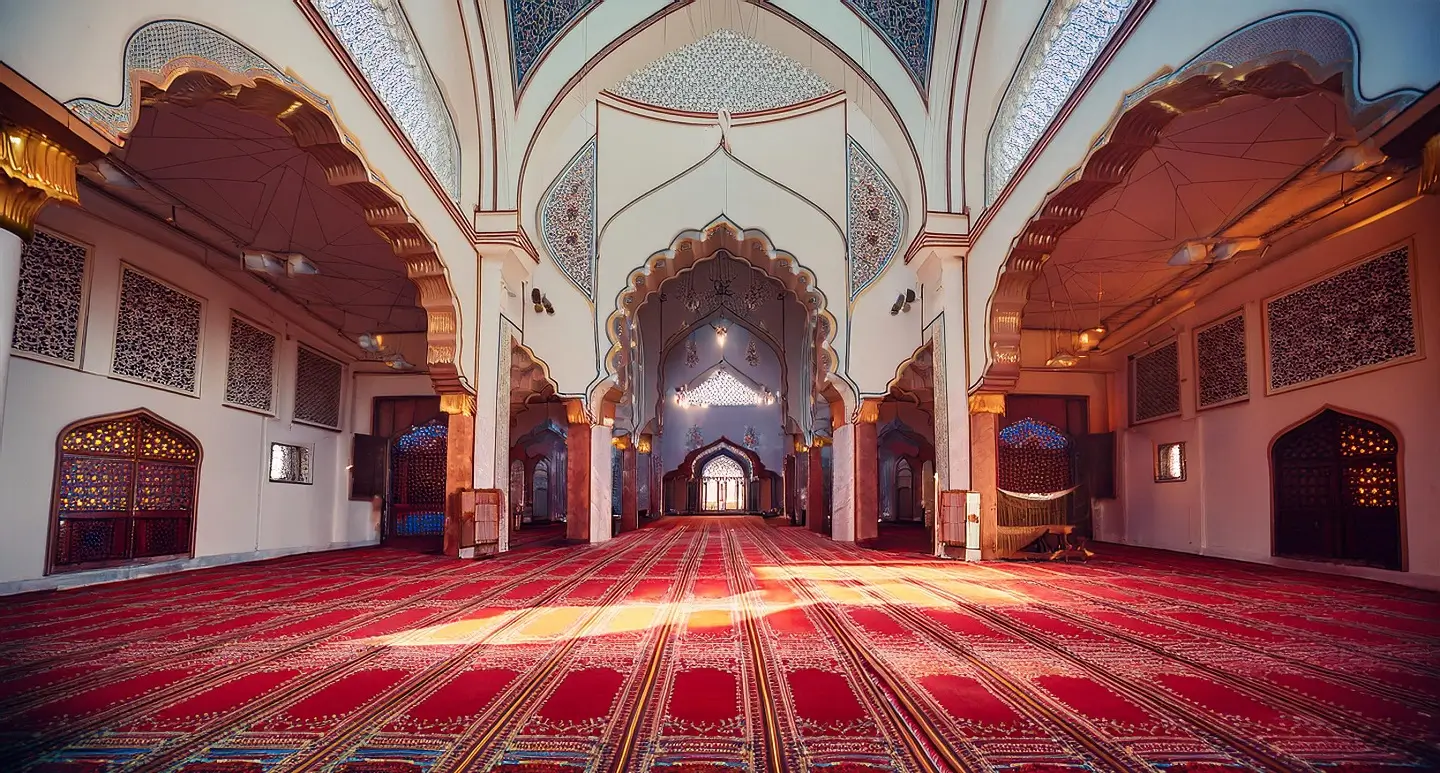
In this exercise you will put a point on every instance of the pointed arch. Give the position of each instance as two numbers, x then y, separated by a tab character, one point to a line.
126	489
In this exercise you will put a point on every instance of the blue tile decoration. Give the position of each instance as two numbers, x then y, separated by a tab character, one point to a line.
908	26
534	25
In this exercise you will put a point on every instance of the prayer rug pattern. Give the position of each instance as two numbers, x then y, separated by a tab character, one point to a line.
715	645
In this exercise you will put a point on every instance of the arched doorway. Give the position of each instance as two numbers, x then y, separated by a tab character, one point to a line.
540	492
415	516
904	491
125	492
723	486
518	510
1337	492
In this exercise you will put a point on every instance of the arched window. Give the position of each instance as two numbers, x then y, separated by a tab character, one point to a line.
904	491
125	492
378	38
722	481
540	488
417	481
1064	47
1337	492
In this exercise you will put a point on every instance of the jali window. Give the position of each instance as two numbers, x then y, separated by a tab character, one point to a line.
125	492
1064	48
50	306
317	388
290	464
1169	462
250	367
1155	383
157	334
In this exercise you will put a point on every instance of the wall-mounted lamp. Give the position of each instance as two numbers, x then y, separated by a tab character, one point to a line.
902	303
289	264
540	302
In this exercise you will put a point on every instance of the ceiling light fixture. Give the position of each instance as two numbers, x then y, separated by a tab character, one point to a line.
1355	158
291	264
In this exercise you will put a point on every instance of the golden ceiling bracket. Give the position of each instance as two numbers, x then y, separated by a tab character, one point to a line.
987	402
33	171
458	403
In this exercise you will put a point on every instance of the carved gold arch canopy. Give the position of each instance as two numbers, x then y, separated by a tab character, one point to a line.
692	247
1144	114
191	81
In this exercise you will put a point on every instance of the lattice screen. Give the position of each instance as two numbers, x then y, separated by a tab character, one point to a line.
1155	382
1220	359
157	334
317	388
1358	318
50	305
250	370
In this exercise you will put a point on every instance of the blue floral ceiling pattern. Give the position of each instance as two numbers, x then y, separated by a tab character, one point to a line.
908	26
534	25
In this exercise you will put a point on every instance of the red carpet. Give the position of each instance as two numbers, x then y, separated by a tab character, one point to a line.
722	645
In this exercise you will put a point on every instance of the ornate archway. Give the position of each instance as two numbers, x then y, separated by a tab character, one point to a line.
158	70
1288	55
685	485
126	487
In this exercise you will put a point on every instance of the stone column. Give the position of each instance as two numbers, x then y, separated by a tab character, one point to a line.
646	463
815	503
34	170
493	341
600	483
950	366
459	463
867	472
577	472
985	412
630	486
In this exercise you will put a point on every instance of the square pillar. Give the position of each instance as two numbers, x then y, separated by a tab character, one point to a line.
459	464
600	483
630	490
867	473
985	412
842	489
815	491
577	473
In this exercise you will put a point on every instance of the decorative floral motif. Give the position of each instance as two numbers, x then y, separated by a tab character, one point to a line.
157	442
724	70
94	485
692	354
1358	318
1220	356
161	487
534	25
111	438
163	46
874	217
1034	458
722	388
157	335
1064	47
752	439
317	388
1156	381
567	219
380	42
694	438
752	354
908	26
51	296
250	371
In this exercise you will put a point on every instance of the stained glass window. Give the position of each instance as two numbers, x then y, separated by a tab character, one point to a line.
290	464
378	38
723	388
1063	49
126	490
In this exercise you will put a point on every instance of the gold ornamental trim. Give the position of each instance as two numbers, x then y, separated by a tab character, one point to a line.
987	403
458	403
33	171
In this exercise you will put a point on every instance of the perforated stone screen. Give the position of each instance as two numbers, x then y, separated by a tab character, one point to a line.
157	334
1220	362
1155	377
317	388
250	367
50	305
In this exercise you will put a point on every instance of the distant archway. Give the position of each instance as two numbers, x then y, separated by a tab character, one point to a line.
723	485
1337	492
125	491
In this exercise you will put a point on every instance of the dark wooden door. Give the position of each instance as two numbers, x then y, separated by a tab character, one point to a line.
1337	493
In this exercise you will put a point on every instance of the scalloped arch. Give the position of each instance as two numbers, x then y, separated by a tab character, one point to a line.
170	61
1286	55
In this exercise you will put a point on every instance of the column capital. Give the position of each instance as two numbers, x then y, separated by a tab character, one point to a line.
34	170
458	403
642	443
869	411
987	402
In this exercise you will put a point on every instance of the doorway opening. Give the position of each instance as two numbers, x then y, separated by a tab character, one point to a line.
723	486
1337	492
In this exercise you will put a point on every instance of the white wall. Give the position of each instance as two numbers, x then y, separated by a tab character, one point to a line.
240	514
1224	506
